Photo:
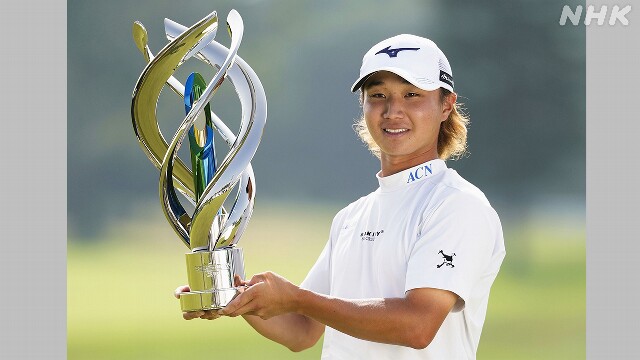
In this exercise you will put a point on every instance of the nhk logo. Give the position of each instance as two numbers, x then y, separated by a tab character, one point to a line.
616	15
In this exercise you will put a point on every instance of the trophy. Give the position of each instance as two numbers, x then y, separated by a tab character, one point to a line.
210	232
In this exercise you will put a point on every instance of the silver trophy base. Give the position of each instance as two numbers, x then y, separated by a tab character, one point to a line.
201	300
210	275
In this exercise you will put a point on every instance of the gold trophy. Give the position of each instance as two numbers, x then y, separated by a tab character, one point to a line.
211	232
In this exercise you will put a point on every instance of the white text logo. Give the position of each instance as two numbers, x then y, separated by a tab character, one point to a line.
616	15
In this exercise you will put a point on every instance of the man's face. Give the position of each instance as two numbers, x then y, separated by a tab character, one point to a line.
403	120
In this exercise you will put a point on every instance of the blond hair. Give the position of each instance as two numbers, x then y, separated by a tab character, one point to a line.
452	137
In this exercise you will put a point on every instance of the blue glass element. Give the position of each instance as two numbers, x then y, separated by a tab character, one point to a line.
203	158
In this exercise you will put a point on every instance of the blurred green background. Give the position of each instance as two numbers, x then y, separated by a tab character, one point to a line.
519	73
121	304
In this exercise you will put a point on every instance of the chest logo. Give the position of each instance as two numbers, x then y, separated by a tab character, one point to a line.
448	259
370	235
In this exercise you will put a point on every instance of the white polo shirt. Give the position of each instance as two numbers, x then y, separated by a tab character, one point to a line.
424	227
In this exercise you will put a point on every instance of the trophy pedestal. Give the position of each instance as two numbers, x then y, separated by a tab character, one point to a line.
210	276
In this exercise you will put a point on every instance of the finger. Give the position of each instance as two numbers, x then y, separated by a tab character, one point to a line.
180	289
258	278
210	315
237	281
188	315
239	301
246	308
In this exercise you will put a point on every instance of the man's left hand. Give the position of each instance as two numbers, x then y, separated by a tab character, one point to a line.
268	295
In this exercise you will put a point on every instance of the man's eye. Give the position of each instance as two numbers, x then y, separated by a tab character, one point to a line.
377	95
412	94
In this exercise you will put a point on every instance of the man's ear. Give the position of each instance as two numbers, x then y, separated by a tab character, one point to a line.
447	105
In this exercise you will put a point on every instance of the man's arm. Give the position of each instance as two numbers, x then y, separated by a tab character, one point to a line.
409	321
296	332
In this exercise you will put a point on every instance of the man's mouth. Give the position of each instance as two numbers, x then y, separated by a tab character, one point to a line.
395	131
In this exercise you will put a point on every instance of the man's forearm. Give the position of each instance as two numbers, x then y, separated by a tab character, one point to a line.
295	331
409	321
396	321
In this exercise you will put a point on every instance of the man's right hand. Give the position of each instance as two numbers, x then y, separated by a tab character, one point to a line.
202	314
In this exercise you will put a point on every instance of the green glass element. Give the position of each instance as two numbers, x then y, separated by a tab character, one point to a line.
202	163
201	144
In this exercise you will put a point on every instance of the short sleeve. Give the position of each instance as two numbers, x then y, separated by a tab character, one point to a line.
454	247
319	277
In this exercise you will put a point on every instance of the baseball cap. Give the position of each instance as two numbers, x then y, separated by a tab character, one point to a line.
416	59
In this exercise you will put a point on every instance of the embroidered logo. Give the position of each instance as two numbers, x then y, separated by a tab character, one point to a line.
370	235
394	52
448	259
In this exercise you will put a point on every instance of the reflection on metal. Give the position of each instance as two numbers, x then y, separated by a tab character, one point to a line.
210	229
212	270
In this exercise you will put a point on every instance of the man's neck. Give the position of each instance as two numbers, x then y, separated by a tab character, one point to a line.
390	165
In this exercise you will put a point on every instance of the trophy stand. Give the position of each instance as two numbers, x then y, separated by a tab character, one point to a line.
211	278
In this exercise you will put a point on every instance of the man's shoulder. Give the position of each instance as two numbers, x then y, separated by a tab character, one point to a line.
357	203
454	188
344	212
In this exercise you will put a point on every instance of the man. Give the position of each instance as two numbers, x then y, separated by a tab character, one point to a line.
407	270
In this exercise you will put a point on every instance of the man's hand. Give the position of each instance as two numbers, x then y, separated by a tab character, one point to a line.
268	295
202	314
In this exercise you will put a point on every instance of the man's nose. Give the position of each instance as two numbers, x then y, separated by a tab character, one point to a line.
394	108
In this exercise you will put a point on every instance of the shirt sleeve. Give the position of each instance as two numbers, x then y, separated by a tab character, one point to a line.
454	247
319	277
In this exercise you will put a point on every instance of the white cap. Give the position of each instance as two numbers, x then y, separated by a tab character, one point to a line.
416	59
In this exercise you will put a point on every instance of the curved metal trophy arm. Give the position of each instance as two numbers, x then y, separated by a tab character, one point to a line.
140	37
245	146
242	209
151	82
174	211
238	220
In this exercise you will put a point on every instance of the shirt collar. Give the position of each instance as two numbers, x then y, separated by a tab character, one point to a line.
412	175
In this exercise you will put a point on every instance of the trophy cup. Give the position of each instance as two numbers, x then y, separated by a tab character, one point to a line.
210	232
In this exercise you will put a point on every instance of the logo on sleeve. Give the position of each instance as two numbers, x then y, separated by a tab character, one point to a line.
448	259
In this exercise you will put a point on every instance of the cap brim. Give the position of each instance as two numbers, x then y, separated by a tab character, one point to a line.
400	72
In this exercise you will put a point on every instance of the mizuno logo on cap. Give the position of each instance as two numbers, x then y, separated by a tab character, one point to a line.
394	52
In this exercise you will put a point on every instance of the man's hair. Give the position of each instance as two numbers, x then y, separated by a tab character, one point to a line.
452	137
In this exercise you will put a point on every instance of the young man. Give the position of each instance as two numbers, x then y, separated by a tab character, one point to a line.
407	270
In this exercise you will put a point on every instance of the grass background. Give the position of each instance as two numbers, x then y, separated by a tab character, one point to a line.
121	304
